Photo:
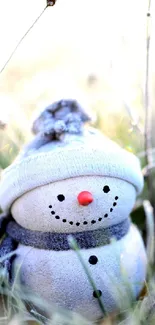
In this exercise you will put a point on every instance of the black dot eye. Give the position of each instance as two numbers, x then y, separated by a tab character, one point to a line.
106	189
61	197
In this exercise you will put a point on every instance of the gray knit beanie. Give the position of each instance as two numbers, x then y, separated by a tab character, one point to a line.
64	148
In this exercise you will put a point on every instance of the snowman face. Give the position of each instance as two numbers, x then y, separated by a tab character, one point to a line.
63	207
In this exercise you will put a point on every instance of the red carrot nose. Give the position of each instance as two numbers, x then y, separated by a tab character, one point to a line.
85	198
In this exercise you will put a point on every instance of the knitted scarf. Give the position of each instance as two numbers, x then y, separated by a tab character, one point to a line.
59	241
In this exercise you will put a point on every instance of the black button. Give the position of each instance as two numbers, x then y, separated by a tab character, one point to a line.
97	293
93	259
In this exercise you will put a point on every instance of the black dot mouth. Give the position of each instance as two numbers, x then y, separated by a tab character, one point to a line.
114	204
92	222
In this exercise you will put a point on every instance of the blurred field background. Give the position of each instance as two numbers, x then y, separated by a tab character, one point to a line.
94	51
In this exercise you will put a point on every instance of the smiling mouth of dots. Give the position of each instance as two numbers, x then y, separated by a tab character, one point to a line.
62	198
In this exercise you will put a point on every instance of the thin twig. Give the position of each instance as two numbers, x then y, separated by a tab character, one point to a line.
20	41
135	123
142	154
148	110
150	231
51	3
147	169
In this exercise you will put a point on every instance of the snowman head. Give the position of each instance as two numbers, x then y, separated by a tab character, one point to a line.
70	179
76	204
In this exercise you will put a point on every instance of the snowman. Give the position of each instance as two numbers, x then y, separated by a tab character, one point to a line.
71	180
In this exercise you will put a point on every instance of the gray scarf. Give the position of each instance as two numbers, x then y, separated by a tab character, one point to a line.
59	241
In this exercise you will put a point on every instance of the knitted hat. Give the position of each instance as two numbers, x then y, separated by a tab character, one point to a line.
63	148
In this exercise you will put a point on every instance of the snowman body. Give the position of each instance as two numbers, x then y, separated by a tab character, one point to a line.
72	180
118	268
118	271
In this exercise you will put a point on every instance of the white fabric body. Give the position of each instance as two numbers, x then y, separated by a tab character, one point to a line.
60	278
38	209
